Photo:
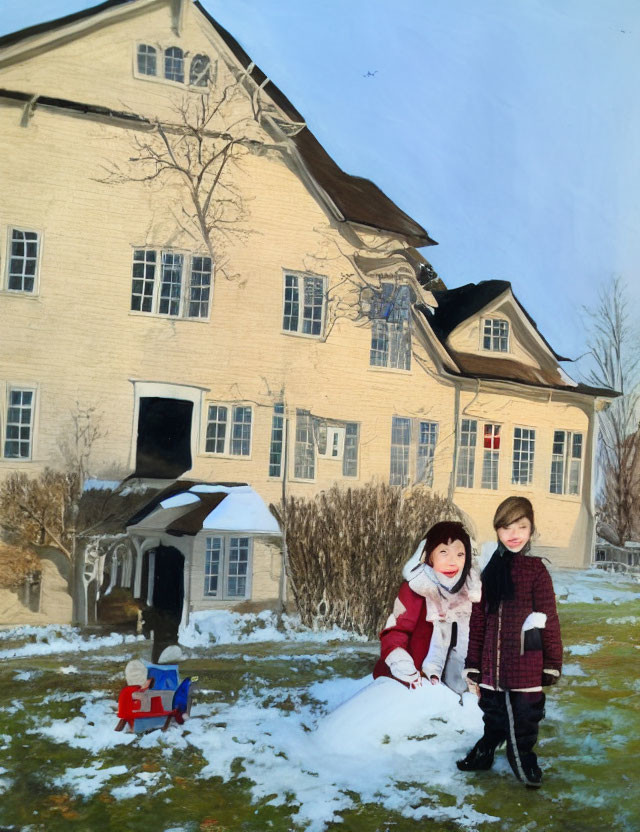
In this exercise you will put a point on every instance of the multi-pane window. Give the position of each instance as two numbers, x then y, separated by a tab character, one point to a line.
277	441
495	335
566	462
466	453
171	283
23	260
225	438
19	424
227	567
490	456
303	304
524	441
200	73
400	445
390	330
427	441
174	64
304	461
350	456
147	63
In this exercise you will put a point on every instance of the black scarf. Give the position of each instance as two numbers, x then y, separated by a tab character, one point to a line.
497	582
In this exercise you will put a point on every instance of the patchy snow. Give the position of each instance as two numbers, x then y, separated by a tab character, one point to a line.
580	586
87	780
582	649
182	499
93	484
61	639
68	670
625	619
226	627
573	670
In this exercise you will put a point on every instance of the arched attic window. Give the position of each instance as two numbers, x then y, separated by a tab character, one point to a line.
147	59
200	74
174	64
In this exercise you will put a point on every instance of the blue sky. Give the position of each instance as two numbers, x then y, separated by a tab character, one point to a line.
510	129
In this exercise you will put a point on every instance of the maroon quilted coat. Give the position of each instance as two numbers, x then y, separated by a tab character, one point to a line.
411	631
496	643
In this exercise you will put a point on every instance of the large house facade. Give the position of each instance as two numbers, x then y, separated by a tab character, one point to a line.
307	346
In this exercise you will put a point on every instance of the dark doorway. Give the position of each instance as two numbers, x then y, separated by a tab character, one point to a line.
163	447
167	599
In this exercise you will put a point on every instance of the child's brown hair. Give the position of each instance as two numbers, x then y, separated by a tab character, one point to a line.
512	509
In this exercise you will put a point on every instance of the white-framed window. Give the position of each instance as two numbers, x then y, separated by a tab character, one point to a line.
350	456
174	64
18	432
413	445
171	283
390	327
277	441
524	445
490	456
303	304
227	567
330	440
495	335
229	429
22	260
566	462
304	452
468	436
427	441
200	71
147	59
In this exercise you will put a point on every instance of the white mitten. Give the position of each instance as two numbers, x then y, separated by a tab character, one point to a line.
402	667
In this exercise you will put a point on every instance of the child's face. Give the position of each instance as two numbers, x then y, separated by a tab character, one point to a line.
516	534
448	558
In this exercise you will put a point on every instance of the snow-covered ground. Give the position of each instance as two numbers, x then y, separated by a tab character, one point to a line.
321	747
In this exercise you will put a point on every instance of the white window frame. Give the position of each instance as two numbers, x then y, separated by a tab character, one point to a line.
7	269
569	462
187	57
230	423
530	452
490	477
182	58
308	447
157	54
392	333
407	471
301	319
187	272
432	430
227	543
466	462
335	438
495	338
21	388
276	442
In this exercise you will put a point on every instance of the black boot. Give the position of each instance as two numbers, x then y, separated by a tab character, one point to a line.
480	758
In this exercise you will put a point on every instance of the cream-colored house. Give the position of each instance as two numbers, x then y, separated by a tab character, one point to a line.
299	345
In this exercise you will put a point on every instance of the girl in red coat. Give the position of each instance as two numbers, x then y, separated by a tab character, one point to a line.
426	635
514	645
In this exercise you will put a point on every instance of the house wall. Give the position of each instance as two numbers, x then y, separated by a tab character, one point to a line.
77	341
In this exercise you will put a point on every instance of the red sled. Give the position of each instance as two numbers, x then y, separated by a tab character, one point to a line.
166	698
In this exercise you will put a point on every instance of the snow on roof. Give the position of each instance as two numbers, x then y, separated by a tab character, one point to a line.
177	500
242	510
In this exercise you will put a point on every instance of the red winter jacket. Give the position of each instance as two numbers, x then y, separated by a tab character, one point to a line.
411	630
497	648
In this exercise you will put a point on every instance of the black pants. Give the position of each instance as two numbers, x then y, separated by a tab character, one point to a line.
513	716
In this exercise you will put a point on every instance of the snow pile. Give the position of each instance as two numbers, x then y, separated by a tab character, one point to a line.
384	743
577	586
225	627
57	639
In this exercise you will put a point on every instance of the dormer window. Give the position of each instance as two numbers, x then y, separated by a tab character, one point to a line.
174	64
495	335
200	74
147	64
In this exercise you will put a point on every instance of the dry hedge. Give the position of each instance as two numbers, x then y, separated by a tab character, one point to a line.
16	562
346	549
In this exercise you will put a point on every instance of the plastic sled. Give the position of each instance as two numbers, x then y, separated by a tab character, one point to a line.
166	699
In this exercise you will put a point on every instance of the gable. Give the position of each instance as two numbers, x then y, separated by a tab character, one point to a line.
91	58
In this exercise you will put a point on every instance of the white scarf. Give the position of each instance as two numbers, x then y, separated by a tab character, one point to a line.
442	604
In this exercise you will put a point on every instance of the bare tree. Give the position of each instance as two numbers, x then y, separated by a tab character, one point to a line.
614	349
199	148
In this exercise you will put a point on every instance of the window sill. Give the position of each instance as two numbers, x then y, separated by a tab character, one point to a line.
297	479
160	79
17	293
306	335
16	460
133	313
396	370
566	498
237	457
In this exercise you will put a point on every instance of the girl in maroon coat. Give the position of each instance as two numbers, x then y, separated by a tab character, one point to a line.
514	645
426	635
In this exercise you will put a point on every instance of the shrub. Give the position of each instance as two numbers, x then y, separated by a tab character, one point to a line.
346	549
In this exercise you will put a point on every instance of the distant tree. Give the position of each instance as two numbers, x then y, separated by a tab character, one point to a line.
614	347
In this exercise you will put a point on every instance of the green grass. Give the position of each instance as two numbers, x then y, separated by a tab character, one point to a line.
588	744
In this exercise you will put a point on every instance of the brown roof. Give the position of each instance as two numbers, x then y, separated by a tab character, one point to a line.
191	522
357	199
